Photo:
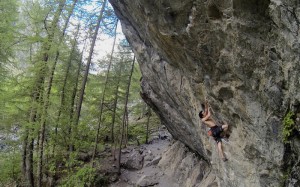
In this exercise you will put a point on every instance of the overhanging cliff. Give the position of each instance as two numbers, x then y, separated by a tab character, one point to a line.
240	55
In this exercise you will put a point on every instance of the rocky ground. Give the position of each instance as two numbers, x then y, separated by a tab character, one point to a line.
140	164
163	162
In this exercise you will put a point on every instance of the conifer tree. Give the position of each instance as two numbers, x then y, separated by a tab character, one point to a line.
103	94
89	60
125	114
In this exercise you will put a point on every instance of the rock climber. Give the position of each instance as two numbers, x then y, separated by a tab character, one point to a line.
215	130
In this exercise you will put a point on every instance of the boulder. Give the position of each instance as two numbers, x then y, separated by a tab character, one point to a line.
134	160
154	161
147	181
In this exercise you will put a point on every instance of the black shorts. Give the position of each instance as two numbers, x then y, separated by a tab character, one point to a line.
216	133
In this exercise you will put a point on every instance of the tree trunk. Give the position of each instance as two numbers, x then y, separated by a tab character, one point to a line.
73	99
66	76
124	115
28	144
147	124
114	143
29	163
24	152
126	128
25	136
116	97
89	60
48	90
103	96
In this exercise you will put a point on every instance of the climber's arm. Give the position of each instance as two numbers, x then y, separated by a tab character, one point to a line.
207	116
206	108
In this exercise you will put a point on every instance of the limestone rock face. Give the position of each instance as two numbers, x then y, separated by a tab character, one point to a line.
185	168
240	55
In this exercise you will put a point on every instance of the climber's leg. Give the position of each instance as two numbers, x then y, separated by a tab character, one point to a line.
225	126
220	150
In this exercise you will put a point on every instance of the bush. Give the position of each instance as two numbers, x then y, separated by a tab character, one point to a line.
84	176
288	126
10	172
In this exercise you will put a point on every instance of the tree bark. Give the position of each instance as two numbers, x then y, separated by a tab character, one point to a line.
147	124
29	163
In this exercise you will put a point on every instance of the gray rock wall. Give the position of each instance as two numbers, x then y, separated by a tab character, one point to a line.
240	55
185	168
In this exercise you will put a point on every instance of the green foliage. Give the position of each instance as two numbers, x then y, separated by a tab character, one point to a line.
102	181
10	172
23	65
137	129
84	176
8	14
137	133
72	160
288	126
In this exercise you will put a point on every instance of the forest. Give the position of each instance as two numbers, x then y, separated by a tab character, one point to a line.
62	96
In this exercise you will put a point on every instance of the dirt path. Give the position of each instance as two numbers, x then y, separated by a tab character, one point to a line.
150	174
